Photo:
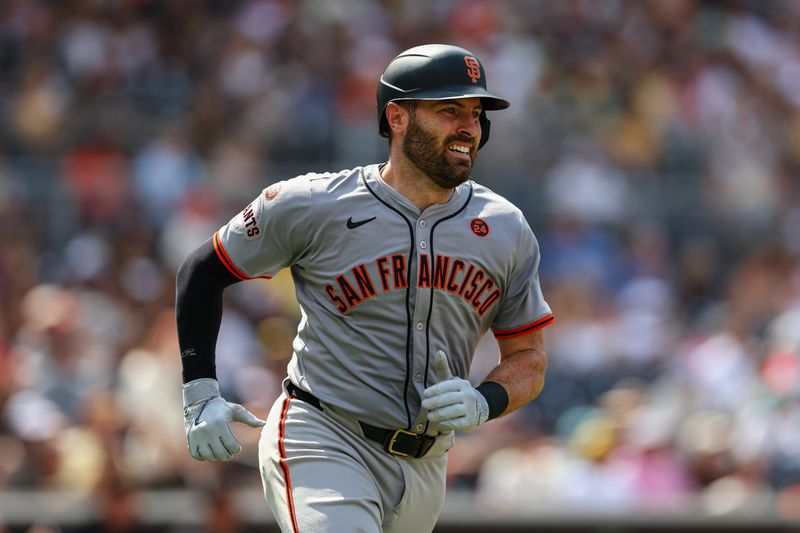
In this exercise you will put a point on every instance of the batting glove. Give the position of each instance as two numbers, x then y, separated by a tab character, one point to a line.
207	417
453	403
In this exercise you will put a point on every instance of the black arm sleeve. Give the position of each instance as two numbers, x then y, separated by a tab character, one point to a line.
200	282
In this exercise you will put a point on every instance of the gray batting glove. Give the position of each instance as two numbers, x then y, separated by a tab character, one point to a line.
207	417
453	403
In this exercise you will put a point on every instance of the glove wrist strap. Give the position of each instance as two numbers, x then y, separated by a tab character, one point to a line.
496	396
198	390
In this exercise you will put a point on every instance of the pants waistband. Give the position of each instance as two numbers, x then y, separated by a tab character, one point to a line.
399	442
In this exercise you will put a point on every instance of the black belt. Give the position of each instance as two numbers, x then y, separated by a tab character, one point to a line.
395	441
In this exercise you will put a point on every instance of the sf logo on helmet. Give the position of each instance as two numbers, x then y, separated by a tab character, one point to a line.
473	68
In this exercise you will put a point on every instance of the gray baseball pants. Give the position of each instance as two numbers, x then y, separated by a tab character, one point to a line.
321	475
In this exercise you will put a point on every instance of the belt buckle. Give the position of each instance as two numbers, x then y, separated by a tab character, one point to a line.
393	439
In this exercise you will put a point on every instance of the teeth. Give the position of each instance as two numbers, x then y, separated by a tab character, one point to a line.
460	148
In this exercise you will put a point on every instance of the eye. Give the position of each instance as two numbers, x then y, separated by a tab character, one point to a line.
449	110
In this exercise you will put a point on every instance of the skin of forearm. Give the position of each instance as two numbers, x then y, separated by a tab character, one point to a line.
522	375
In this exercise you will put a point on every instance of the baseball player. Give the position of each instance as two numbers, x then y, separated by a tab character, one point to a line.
400	268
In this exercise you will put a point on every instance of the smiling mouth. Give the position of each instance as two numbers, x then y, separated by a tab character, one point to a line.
460	150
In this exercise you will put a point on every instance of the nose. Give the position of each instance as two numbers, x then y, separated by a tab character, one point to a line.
470	126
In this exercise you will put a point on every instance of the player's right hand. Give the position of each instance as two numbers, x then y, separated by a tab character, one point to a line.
207	417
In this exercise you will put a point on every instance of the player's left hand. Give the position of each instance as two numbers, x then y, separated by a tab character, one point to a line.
453	403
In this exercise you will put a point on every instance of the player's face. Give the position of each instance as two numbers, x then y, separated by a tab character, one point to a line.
442	139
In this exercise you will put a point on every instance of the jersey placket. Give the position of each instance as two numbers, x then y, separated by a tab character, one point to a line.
419	303
421	317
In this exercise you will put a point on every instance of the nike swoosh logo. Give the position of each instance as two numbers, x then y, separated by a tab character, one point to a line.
200	412
354	225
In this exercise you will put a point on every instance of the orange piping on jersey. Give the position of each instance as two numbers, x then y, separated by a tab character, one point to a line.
223	256
546	320
226	260
284	466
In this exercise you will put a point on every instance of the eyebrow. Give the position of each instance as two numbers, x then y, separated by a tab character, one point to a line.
442	103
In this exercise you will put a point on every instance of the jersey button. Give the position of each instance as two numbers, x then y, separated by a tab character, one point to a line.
418	377
423	223
423	244
420	326
420	427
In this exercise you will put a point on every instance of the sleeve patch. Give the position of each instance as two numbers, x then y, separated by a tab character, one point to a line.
249	222
272	192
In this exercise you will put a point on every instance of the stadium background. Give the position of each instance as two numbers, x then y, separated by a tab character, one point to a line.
653	145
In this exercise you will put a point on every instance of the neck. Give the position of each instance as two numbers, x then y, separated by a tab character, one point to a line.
402	176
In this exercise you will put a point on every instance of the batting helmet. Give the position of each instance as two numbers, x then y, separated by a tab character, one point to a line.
436	72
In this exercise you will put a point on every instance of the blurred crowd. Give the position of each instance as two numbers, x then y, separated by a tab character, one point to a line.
653	145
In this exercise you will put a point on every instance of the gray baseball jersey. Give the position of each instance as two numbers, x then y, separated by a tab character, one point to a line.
383	286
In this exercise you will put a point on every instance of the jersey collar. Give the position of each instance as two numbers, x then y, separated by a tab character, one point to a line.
386	193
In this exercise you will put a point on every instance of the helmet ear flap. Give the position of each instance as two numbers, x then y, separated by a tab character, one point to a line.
383	124
485	127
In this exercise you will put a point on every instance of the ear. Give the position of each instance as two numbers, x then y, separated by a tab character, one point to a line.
397	117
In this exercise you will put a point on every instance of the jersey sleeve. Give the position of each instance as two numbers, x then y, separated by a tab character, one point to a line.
271	233
524	308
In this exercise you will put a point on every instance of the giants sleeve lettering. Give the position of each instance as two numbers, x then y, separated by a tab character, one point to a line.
270	233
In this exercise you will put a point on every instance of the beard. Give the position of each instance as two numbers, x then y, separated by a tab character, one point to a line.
431	158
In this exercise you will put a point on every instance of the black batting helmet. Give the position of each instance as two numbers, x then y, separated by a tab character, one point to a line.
436	72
